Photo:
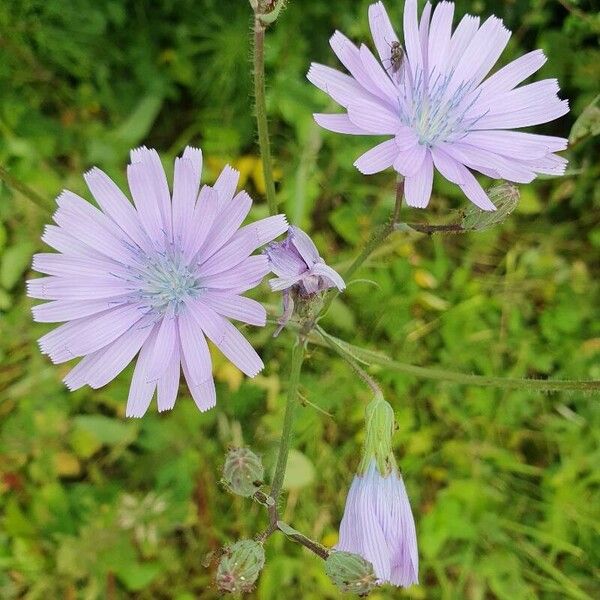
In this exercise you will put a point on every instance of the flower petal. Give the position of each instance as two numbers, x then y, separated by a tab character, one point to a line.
100	367
116	205
168	384
408	162
166	340
186	183
417	188
382	31
378	158
86	335
142	387
226	338
227	223
69	310
373	117
236	307
338	124
226	185
194	348
154	174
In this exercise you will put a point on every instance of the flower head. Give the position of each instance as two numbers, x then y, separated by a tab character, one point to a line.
431	94
297	263
159	277
300	271
378	523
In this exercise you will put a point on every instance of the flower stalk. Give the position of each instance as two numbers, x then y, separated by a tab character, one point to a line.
260	107
288	419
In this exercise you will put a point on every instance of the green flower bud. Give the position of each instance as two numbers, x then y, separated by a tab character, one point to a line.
243	471
268	10
380	425
505	196
351	573
240	566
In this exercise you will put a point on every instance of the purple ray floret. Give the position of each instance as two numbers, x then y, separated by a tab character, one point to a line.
156	277
378	525
431	93
296	262
300	271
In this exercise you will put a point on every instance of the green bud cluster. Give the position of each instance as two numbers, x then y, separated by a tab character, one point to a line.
240	566
243	471
351	573
380	426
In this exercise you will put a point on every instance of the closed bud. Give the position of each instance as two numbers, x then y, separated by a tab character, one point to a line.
240	566
351	573
268	10
379	431
505	197
243	471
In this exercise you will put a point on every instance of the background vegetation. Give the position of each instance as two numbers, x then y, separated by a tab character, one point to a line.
504	484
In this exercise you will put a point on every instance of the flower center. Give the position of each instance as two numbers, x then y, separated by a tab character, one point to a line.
166	281
437	112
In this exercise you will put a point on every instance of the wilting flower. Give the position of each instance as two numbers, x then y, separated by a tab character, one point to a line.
300	270
296	262
435	100
158	277
378	523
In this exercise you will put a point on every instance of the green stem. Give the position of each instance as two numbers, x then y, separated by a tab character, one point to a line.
24	189
288	419
376	358
300	538
261	113
379	235
335	346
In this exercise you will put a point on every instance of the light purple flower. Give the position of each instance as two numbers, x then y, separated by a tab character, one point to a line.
296	262
378	525
300	271
435	100
159	277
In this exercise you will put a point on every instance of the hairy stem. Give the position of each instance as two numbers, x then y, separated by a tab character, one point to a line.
25	190
371	357
261	113
288	419
300	538
431	229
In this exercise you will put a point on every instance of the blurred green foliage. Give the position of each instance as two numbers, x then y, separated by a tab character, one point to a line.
504	484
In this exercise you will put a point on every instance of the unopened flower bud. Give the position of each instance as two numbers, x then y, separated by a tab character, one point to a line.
505	197
351	573
380	424
268	10
243	471
240	566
